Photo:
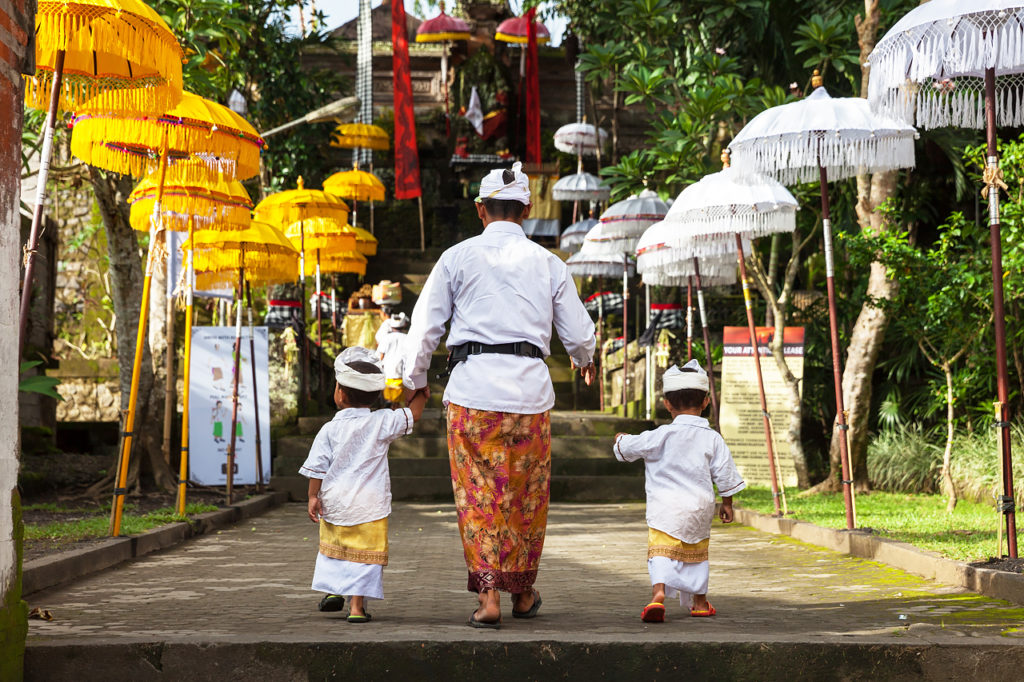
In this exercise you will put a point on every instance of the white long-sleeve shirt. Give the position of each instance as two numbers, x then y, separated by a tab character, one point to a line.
498	287
683	461
350	455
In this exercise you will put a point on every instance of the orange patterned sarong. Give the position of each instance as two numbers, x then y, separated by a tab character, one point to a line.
501	476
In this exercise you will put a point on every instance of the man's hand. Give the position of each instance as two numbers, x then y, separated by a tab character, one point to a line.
589	374
725	512
315	509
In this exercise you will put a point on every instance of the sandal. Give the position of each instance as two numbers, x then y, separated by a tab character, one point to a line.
490	625
365	618
331	602
653	613
703	613
532	611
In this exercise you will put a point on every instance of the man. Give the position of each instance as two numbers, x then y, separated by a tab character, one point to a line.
502	293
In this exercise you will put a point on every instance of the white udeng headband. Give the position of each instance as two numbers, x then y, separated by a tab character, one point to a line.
675	379
494	187
350	378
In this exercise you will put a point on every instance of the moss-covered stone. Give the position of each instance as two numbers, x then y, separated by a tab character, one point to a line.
14	610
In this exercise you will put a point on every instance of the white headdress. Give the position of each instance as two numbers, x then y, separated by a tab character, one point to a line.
351	378
493	186
675	379
398	320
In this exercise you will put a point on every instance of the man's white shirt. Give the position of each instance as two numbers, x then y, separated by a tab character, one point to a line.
683	461
498	287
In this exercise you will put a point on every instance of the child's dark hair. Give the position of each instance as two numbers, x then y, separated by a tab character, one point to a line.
687	398
354	396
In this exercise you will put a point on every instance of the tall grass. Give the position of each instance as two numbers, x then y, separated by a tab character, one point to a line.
909	459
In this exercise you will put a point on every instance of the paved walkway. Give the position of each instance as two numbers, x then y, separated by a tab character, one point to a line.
251	583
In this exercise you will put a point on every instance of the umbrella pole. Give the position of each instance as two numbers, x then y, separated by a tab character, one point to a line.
255	392
237	370
837	363
127	438
600	344
444	84
648	388
708	361
689	316
760	379
625	336
1006	502
319	338
303	345
37	215
183	466
423	234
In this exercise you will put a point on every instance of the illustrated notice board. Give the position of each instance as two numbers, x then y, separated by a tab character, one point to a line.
209	418
741	420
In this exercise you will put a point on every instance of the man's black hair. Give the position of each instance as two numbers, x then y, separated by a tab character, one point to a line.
355	397
504	209
686	398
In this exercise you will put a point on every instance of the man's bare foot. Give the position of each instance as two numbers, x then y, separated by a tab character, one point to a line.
357	606
658	593
490	607
523	601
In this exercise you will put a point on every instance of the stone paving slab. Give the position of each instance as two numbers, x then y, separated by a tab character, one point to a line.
250	583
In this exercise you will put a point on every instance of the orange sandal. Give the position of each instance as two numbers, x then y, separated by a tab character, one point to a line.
653	613
705	613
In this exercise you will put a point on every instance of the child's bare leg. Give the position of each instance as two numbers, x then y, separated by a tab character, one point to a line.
658	593
700	602
357	606
490	606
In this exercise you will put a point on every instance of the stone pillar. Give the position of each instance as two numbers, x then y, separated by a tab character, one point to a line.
16	25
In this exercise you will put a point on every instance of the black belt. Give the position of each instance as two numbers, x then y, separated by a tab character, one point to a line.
457	354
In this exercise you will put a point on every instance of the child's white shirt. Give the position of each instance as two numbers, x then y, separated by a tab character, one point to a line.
683	461
392	347
350	454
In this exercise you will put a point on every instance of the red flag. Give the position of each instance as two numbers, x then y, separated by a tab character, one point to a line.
407	157
532	90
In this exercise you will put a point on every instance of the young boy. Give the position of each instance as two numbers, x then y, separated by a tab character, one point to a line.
349	485
683	461
391	351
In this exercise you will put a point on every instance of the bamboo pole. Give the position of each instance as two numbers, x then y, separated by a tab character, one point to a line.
837	363
255	392
185	395
689	316
648	387
708	360
423	233
37	214
319	339
1006	501
760	379
117	506
600	344
235	376
303	341
625	335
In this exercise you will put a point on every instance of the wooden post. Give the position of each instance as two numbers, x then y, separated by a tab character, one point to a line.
189	286
423	233
237	370
255	392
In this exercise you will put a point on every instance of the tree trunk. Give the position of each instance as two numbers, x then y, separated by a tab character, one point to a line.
126	278
152	404
947	474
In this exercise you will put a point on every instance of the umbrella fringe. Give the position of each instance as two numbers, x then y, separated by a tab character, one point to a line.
793	159
718	222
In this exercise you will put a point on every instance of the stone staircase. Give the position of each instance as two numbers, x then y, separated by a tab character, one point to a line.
583	467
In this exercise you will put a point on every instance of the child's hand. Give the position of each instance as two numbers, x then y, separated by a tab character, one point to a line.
619	435
315	509
725	512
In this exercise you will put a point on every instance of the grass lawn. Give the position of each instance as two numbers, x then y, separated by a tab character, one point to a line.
968	534
98	525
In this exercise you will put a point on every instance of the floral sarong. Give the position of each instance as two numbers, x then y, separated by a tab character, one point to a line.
501	476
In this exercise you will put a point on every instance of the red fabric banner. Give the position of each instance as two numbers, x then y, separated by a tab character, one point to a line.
407	157
532	90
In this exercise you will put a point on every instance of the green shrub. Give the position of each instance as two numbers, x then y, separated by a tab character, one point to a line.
905	459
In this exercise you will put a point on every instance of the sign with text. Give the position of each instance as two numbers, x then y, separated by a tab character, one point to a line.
741	420
209	417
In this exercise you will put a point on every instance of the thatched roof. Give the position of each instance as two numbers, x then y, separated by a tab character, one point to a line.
380	21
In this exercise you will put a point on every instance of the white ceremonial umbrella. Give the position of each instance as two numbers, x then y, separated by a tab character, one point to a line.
961	63
580	186
630	217
720	214
580	139
592	265
572	238
817	138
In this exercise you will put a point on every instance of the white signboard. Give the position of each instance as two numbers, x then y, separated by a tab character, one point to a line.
209	417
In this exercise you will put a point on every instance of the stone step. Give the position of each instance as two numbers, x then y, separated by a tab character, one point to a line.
563	423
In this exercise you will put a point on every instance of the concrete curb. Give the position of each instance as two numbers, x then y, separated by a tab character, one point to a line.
57	569
995	584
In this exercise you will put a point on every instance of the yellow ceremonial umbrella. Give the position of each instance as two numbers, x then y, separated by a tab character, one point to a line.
356	185
366	243
84	48
219	205
259	252
311	209
360	136
202	138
